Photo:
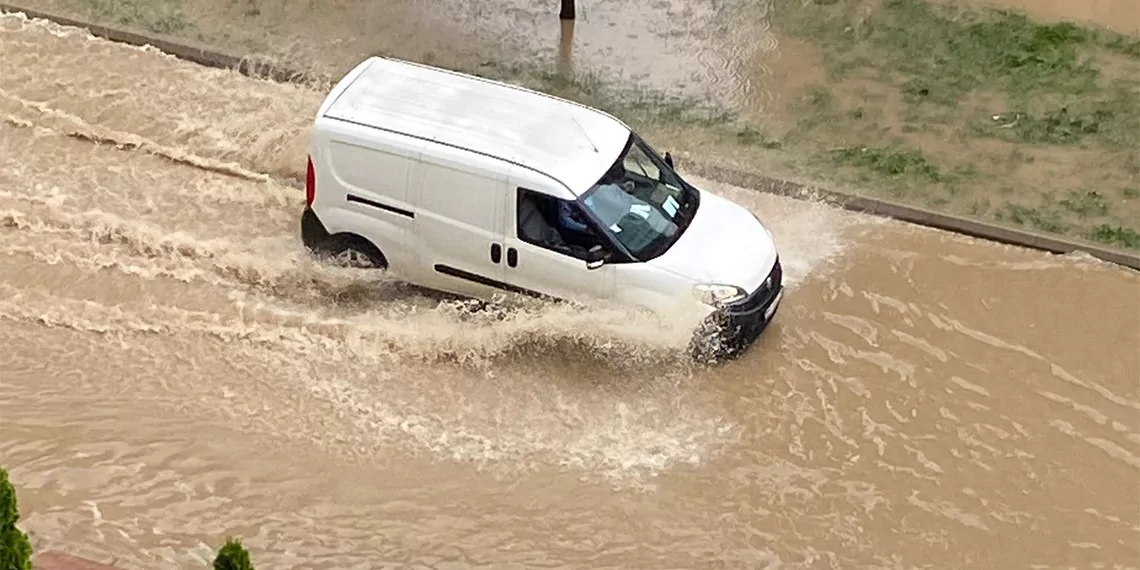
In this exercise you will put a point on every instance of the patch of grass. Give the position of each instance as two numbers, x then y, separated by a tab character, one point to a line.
1115	235
753	136
813	111
994	99
159	16
1090	203
938	54
1113	120
1035	218
979	208
890	162
1083	205
1124	45
935	56
1061	127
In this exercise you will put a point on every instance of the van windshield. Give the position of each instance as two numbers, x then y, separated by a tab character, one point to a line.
643	203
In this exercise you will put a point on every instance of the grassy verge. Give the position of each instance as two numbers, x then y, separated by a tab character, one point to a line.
987	114
984	113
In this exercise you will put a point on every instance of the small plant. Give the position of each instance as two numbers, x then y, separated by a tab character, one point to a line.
15	548
1090	203
890	162
751	136
232	556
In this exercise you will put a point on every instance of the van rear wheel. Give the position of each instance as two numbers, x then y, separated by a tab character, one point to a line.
347	250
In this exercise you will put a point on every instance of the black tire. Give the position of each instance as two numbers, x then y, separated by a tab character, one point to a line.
348	250
707	345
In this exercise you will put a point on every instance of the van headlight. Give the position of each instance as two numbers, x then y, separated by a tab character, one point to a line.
716	294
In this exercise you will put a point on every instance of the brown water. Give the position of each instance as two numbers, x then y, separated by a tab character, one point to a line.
174	370
693	49
680	47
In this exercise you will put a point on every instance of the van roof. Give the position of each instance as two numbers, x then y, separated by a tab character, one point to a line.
568	142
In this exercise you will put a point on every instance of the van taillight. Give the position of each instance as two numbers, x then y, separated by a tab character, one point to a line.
310	183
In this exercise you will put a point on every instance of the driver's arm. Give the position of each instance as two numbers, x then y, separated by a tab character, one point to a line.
566	216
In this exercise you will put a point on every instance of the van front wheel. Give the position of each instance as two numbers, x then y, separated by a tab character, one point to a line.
347	250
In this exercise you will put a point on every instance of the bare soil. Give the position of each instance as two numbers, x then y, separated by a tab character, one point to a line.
1118	15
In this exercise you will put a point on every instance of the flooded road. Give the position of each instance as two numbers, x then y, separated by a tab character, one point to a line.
176	370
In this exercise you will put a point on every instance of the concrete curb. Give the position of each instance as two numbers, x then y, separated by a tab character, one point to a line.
920	216
976	228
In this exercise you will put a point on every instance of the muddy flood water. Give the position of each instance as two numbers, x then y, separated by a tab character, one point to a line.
175	370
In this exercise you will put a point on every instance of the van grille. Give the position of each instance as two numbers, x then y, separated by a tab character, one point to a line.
764	294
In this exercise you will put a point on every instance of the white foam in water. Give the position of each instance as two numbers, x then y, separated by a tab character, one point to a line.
628	439
373	352
808	234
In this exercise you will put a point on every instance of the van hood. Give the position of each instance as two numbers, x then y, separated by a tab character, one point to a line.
724	244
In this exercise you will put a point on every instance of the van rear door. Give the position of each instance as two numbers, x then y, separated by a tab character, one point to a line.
374	178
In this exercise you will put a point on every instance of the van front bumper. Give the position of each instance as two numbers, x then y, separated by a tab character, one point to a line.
734	328
743	328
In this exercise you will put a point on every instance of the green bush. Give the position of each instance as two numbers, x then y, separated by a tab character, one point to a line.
232	556
15	549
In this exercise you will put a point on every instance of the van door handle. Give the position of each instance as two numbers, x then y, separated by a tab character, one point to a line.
512	257
496	253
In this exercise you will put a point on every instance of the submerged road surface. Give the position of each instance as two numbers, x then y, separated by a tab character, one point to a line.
175	370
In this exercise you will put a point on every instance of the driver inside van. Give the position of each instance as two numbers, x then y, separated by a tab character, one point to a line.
570	217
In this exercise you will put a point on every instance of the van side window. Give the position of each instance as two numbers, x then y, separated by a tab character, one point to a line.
554	224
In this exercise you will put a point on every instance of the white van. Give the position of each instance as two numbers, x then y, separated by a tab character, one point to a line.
475	188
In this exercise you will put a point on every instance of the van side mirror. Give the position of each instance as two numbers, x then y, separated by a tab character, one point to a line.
669	160
596	257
